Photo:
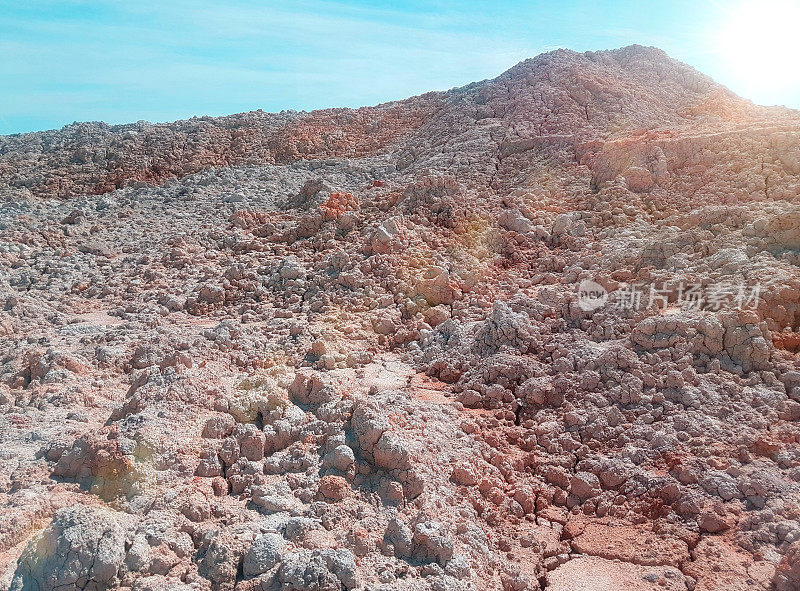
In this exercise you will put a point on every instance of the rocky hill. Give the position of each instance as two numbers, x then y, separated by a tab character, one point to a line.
540	331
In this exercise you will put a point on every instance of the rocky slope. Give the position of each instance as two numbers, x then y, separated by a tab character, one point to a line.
352	349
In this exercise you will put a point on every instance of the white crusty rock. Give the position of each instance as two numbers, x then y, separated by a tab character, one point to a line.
82	548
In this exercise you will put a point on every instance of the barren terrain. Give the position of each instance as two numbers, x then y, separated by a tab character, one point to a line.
352	349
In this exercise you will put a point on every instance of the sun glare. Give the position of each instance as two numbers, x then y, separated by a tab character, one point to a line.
759	43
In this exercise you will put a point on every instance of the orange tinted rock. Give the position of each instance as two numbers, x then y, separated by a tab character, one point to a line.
334	488
630	544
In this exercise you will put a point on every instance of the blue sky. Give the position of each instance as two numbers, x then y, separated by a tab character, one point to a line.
117	61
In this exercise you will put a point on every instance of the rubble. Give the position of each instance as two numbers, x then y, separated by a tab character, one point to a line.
349	349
